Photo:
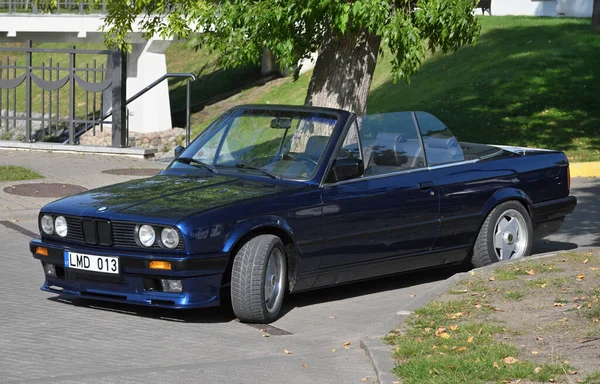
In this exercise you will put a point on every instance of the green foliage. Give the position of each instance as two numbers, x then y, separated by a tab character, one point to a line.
293	29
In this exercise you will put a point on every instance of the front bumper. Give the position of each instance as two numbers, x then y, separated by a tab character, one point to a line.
136	283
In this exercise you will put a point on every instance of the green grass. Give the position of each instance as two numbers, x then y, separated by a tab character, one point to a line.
441	346
528	81
14	173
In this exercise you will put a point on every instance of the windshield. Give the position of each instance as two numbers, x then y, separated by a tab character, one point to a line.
270	143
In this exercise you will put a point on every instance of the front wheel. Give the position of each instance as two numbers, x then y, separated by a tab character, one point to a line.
258	279
506	234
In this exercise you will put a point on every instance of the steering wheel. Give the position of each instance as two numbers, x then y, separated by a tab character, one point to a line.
306	160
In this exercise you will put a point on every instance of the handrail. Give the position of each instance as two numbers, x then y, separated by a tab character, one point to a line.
188	76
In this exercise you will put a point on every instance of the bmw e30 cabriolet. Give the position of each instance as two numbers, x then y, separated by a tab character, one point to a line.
271	200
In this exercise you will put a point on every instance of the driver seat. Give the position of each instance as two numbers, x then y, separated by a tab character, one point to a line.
315	146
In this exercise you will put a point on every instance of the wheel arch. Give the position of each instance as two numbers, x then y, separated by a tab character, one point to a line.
503	195
265	226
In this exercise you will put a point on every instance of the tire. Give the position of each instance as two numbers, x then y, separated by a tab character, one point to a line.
259	280
506	234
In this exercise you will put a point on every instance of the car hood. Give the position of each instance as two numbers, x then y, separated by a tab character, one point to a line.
164	197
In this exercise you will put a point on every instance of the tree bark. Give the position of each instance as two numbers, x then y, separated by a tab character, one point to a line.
343	72
596	16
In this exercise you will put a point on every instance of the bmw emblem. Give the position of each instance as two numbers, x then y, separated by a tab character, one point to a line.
101	209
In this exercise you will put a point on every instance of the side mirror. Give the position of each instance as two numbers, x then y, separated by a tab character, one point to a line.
178	149
344	169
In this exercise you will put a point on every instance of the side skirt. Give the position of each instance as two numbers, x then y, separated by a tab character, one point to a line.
379	268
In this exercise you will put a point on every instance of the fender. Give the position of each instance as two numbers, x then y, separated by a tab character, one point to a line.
247	226
503	195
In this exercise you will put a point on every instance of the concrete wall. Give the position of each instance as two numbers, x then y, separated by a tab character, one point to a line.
572	8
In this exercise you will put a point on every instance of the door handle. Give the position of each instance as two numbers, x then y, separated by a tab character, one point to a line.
425	186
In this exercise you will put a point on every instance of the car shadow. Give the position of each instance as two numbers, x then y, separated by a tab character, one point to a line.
224	314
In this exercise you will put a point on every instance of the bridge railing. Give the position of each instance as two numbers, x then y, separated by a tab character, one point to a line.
53	7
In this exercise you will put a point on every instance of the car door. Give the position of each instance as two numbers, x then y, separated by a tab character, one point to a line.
392	210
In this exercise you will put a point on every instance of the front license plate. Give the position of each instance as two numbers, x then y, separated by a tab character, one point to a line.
92	263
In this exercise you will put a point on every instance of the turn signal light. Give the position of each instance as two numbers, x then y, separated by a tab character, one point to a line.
160	265
568	177
43	251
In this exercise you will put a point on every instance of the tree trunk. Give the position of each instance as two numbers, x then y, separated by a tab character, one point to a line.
596	16
344	71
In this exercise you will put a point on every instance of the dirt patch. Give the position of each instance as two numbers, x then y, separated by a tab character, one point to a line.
549	308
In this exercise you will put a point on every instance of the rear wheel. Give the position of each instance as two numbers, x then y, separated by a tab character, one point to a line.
258	279
506	234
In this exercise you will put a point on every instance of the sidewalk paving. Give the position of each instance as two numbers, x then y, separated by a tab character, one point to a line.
80	169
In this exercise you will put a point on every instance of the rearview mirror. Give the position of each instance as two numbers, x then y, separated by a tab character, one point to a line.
177	150
344	169
281	122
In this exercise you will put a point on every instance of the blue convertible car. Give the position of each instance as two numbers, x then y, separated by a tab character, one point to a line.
272	200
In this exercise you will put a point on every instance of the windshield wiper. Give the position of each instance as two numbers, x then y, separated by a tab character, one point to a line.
245	166
191	160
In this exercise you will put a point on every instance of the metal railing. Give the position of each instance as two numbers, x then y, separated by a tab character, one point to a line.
53	7
187	76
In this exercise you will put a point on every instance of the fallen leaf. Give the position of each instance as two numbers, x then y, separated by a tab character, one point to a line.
492	278
332	317
537	369
580	276
593	269
444	335
497	309
431	372
480	330
440	330
454	315
287	352
477	306
453	327
461	349
595	320
346	344
364	379
563	319
586	261
412	295
510	360
266	335
534	352
539	338
542	285
333	350
559	304
495	365
472	273
551	380
304	365
531	272
419	339
470	339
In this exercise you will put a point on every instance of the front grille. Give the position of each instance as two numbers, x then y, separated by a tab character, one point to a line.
94	231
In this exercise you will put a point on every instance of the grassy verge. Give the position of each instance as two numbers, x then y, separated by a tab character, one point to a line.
14	173
529	82
534	320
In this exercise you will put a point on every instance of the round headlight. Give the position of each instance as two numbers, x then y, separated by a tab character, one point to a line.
169	237
60	225
47	224
146	235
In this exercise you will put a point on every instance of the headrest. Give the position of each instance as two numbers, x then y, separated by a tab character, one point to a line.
315	146
444	143
388	150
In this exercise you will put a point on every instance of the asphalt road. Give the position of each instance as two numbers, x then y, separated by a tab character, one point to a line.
45	339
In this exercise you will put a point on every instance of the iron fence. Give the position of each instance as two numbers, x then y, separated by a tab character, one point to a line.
53	100
53	7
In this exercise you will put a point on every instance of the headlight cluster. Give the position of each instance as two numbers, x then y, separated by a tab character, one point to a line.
57	225
145	235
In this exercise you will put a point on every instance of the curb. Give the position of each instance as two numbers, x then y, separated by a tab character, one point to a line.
591	169
380	354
